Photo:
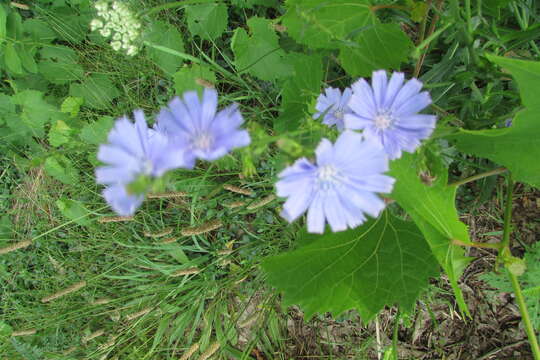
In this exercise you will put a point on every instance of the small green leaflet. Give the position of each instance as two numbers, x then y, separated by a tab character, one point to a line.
59	134
71	105
516	147
259	53
434	211
59	64
384	262
96	133
381	46
98	91
3	23
325	23
167	36
12	60
62	169
207	21
74	210
35	113
193	77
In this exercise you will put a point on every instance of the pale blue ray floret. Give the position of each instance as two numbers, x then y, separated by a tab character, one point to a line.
133	150
387	111
195	125
332	106
340	187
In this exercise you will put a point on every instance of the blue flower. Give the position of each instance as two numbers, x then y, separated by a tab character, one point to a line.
388	112
133	150
340	187
197	127
333	106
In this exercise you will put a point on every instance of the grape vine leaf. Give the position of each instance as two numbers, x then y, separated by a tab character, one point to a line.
386	261
259	53
518	146
323	24
381	46
207	21
433	209
299	90
164	34
193	77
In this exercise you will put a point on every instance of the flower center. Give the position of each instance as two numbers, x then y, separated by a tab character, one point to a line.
339	114
203	141
327	177
383	120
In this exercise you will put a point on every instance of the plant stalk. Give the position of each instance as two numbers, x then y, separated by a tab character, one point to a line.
505	250
496	171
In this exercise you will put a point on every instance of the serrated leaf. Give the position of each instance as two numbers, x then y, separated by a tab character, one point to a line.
166	35
324	23
192	78
96	133
71	105
62	169
59	64
516	147
434	211
35	112
98	91
259	53
299	90
12	59
382	46
384	262
207	21
74	210
59	134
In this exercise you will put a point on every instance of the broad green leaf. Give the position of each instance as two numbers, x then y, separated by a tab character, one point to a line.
26	54
62	169
207	21
14	28
71	25
166	35
71	105
12	59
74	210
299	90
259	53
59	134
35	112
384	262
192	78
325	23
59	64
382	46
97	90
517	147
39	31
434	211
96	133
7	108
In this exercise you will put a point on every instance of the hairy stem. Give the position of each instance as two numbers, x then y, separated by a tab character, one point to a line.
479	176
505	250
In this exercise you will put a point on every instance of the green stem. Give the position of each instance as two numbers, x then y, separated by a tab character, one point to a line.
505	251
395	335
525	316
479	176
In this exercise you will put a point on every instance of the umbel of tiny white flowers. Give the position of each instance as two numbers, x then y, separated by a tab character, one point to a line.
115	21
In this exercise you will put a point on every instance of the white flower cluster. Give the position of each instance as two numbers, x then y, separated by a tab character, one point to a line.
117	22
